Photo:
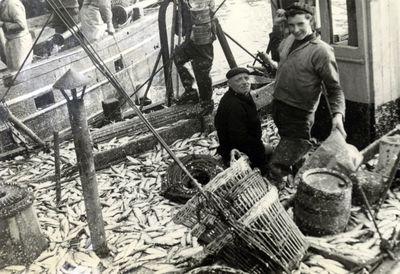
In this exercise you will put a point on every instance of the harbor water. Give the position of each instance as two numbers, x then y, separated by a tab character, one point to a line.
249	22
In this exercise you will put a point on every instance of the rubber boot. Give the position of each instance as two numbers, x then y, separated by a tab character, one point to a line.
189	96
143	101
286	154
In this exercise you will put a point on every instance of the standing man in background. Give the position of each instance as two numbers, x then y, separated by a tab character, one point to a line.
71	10
18	39
306	64
198	29
96	18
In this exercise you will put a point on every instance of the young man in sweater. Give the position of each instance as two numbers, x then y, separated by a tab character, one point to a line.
306	63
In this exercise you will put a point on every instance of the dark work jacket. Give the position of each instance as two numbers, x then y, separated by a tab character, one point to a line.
238	126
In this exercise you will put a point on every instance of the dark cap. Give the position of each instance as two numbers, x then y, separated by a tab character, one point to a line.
306	8
235	71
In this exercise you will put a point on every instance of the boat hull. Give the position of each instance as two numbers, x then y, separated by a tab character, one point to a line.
130	54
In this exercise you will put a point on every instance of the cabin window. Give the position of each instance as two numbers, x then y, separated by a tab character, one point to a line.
118	64
44	101
344	22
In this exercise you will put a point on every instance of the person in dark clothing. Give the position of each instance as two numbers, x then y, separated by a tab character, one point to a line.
70	9
197	16
305	64
237	122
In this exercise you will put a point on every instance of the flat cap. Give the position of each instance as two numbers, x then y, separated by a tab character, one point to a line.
235	71
301	7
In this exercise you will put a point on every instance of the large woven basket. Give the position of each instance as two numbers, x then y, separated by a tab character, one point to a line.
280	245
196	208
240	198
275	233
226	247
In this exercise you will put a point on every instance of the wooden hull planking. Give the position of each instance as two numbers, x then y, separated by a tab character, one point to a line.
135	46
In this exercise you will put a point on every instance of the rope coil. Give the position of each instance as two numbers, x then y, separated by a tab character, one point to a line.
176	185
14	199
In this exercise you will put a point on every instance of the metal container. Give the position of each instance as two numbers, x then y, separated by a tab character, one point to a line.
21	240
323	202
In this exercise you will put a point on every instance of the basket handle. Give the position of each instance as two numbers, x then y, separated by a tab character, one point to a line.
235	155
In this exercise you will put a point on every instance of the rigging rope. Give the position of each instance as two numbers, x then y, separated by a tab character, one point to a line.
99	63
251	239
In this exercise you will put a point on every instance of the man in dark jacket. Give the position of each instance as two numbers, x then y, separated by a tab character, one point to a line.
237	122
69	8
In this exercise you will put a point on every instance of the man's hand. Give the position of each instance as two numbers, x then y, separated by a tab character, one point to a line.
279	17
110	28
267	59
337	123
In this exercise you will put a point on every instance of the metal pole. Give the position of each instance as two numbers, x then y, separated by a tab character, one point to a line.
153	73
57	175
84	155
224	44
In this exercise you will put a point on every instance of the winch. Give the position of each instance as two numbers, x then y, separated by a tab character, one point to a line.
21	240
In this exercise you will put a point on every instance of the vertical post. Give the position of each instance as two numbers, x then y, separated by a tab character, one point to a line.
224	44
165	50
84	155
57	166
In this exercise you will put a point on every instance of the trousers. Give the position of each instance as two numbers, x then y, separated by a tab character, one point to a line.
294	127
201	57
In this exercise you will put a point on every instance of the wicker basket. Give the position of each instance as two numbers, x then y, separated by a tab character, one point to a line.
226	246
279	243
196	208
275	232
389	148
240	199
247	192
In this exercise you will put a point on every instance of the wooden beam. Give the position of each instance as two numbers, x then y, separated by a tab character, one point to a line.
178	130
135	126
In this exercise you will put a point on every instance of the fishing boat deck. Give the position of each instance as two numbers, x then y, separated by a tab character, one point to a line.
138	221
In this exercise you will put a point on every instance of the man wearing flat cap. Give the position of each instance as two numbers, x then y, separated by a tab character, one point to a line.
306	64
237	122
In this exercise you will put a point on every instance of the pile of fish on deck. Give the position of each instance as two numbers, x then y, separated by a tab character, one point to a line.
138	221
